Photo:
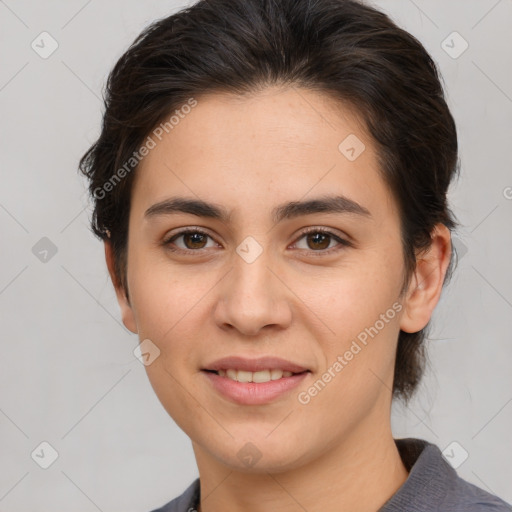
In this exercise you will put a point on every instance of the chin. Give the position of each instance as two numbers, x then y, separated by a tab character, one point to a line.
260	454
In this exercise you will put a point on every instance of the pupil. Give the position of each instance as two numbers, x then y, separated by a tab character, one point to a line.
319	237
196	238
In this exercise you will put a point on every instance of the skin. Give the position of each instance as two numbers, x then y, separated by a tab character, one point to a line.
249	154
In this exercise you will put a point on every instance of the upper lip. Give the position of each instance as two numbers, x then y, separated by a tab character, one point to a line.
255	365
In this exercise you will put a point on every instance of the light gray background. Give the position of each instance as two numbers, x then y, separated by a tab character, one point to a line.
68	375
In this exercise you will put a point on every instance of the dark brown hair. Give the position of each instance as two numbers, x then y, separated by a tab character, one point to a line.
342	48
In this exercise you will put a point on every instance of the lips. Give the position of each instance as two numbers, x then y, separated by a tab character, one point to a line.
254	381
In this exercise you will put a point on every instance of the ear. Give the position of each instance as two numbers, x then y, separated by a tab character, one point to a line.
427	281
126	308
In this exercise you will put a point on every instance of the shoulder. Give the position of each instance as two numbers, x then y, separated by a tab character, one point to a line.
185	502
466	497
433	484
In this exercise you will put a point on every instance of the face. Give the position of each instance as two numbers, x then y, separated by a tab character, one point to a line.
297	256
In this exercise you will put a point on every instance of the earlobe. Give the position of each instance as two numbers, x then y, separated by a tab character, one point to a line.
427	281
127	314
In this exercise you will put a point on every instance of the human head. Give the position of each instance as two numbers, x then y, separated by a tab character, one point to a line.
342	48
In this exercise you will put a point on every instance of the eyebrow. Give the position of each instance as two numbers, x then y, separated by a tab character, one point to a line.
290	210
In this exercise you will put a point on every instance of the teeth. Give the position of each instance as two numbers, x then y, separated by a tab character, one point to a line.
277	374
261	376
242	376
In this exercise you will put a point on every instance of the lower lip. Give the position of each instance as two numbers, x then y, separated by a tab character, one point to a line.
254	393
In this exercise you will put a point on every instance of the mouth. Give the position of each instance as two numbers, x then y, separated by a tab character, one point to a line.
254	381
260	376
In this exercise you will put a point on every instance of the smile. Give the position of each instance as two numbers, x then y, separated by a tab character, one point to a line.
259	376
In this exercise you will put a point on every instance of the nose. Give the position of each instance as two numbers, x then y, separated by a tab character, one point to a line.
252	298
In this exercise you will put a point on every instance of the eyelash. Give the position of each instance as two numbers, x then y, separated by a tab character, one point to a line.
342	242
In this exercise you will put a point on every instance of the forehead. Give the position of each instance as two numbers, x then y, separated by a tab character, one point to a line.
260	150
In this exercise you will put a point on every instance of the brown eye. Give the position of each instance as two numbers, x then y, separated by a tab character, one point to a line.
318	240
191	240
194	240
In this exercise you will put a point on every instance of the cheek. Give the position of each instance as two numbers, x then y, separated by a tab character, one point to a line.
349	299
359	311
164	307
162	295
158	309
358	359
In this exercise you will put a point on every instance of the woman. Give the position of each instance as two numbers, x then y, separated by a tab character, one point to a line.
270	184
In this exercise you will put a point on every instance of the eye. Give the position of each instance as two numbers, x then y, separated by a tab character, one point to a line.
317	240
320	239
192	241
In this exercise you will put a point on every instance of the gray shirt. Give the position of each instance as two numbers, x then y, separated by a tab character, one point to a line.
432	485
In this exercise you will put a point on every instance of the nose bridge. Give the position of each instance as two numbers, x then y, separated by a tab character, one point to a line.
251	274
252	297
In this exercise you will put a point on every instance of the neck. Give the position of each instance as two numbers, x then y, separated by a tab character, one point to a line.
360	474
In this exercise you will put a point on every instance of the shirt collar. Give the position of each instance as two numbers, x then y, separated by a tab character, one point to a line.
430	476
